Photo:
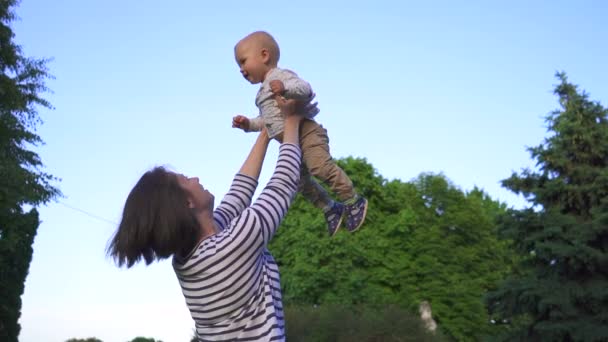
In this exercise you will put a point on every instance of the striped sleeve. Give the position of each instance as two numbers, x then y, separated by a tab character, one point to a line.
272	204
231	283
235	201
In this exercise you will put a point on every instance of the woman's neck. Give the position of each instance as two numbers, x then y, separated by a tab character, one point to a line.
206	224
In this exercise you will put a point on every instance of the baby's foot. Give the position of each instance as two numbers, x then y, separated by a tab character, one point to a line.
334	217
355	214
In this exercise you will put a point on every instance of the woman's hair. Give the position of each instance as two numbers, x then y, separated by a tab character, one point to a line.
156	221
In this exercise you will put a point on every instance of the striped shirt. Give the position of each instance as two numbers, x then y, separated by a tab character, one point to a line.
230	281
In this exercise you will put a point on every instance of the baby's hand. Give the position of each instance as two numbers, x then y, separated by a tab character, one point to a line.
277	87
241	122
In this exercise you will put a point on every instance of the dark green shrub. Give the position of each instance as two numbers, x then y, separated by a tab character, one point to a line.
337	323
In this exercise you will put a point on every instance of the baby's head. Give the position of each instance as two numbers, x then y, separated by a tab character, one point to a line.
256	54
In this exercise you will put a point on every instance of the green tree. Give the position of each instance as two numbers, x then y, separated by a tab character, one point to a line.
456	257
89	339
422	240
347	323
560	291
22	183
144	339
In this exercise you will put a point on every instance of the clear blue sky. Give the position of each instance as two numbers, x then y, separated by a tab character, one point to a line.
411	86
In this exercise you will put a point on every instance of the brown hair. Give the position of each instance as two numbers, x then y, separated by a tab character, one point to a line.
156	221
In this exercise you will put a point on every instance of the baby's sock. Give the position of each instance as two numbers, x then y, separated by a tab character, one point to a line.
352	200
328	206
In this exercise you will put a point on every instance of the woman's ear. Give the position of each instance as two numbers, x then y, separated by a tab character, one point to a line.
190	204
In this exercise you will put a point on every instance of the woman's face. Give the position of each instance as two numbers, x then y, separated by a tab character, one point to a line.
199	198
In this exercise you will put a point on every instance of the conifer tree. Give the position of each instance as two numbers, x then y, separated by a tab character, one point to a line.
560	291
22	183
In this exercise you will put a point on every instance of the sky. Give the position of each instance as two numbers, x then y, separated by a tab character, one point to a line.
457	87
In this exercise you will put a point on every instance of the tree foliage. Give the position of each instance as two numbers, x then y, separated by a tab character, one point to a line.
560	291
94	339
346	323
21	180
144	339
422	240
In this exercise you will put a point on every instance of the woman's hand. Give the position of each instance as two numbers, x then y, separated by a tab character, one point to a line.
291	107
287	106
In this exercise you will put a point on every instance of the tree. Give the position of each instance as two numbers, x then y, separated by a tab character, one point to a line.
89	339
424	240
560	291
144	339
22	183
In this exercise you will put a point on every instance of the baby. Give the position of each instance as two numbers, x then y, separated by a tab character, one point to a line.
257	56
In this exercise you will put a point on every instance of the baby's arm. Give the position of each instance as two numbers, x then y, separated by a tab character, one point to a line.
288	84
248	124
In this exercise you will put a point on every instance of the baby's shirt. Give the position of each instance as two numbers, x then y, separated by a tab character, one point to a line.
270	114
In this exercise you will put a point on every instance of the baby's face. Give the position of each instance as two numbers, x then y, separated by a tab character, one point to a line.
252	61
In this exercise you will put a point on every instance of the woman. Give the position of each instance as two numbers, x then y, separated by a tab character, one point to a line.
228	277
